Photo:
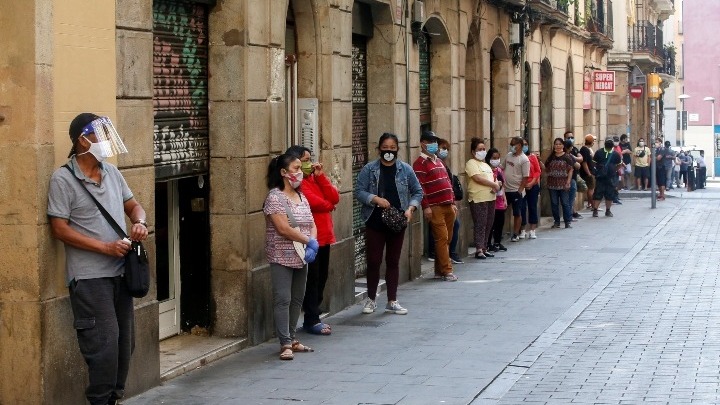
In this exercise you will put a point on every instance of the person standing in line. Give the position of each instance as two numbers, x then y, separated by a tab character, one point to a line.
577	157
661	169
702	170
517	175
683	159
529	212
438	202
669	164
620	170
288	219
385	183
559	167
323	197
94	254
482	189
443	154
626	153
642	166
587	168
607	162
493	159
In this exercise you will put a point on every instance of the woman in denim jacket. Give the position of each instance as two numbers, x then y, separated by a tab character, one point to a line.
383	183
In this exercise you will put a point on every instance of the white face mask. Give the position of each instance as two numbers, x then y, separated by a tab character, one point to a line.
101	150
480	155
642	144
295	179
495	162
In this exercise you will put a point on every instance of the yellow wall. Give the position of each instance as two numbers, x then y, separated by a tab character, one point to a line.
83	63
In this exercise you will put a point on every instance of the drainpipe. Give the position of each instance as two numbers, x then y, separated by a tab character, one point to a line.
407	78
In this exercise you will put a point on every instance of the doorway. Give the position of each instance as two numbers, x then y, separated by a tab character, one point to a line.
183	254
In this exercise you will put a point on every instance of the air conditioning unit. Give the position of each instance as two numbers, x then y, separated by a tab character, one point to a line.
418	14
308	124
514	34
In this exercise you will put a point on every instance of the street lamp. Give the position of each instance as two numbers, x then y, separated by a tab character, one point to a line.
683	121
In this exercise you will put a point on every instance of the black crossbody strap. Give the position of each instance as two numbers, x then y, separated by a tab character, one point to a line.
102	209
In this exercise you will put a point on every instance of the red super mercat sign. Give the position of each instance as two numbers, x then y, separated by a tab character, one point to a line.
604	81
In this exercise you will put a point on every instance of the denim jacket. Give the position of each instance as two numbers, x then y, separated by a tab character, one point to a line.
366	187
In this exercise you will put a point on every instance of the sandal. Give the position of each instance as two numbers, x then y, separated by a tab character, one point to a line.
286	353
450	277
299	347
319	329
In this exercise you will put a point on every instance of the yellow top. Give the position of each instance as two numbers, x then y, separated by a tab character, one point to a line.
642	161
477	192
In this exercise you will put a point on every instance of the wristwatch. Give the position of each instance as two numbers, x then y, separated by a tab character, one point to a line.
141	222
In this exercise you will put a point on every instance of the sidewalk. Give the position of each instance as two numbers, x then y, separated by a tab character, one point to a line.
456	339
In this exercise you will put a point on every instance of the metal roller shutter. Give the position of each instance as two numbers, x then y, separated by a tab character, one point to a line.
359	141
180	92
425	108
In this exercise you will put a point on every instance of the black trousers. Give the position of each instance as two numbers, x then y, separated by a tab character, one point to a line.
497	229
105	326
315	286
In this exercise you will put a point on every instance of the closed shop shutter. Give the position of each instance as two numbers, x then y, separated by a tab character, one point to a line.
359	141
425	109
180	94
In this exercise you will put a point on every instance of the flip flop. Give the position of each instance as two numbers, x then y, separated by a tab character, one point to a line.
286	353
299	347
319	329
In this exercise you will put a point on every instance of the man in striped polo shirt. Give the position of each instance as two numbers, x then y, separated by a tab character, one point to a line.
438	202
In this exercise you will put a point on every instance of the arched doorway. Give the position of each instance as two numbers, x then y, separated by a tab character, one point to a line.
500	69
546	107
473	85
439	73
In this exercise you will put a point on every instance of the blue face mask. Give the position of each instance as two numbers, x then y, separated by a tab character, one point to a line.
432	148
525	149
442	153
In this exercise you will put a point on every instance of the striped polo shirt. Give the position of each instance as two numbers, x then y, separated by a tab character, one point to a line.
436	184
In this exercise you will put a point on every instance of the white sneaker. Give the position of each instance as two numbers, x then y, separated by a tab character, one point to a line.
522	235
532	235
395	308
369	306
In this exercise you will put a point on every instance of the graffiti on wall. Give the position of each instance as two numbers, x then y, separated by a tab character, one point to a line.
180	106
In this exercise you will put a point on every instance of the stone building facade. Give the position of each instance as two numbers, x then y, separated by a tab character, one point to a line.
204	93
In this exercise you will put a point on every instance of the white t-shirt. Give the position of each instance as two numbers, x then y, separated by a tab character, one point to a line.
516	167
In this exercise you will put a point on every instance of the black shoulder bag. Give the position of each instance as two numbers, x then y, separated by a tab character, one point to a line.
137	267
392	217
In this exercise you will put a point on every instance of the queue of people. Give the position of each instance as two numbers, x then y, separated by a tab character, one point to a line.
301	199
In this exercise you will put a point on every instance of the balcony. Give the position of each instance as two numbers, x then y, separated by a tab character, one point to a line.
600	23
552	12
667	71
645	41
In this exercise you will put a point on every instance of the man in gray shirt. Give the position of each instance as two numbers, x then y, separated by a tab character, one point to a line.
94	253
517	172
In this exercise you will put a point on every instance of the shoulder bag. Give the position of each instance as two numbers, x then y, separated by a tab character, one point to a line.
392	217
137	267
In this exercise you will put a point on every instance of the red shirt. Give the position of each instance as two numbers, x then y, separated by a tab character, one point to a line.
434	180
323	197
535	170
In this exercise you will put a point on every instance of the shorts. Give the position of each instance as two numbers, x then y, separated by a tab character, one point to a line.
515	199
661	176
590	180
628	168
605	189
642	172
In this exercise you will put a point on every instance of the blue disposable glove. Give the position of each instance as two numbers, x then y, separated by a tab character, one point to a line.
310	253
313	244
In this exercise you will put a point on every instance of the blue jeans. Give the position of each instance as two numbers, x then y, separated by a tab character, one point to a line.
529	206
573	194
453	241
558	197
669	177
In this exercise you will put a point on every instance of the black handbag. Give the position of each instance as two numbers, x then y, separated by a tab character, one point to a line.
137	266
392	217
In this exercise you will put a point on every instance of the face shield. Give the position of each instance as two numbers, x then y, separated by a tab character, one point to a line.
107	136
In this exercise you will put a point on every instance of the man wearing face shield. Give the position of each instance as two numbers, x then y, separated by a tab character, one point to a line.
94	253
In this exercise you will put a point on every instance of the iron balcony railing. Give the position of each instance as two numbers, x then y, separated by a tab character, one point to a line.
668	66
601	18
561	5
646	37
